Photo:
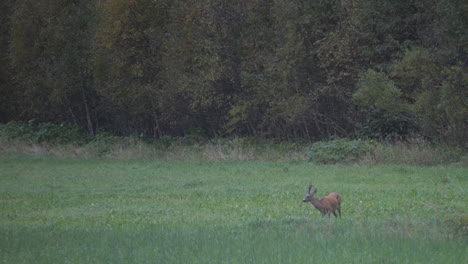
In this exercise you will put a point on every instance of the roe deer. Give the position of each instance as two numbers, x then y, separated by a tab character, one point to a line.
326	205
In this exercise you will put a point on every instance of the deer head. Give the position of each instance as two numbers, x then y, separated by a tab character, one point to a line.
310	194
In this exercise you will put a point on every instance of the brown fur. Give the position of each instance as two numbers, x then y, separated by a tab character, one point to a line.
327	205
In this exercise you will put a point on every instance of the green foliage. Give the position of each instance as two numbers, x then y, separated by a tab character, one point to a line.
50	55
417	71
338	150
288	70
439	94
386	126
43	133
376	90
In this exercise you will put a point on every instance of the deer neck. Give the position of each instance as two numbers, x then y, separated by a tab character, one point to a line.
318	203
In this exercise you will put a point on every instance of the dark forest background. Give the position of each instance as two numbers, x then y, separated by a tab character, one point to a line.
278	69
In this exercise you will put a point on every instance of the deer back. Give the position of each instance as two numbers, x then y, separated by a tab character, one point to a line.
332	201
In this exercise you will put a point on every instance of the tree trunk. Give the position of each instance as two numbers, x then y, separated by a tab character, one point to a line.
88	116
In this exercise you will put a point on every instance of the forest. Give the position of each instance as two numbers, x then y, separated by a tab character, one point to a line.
279	69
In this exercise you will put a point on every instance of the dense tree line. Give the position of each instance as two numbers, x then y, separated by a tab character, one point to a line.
284	69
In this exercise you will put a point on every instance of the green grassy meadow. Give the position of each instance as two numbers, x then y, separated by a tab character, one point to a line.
55	210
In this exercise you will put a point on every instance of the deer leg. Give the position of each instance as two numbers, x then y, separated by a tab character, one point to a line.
339	211
334	214
323	212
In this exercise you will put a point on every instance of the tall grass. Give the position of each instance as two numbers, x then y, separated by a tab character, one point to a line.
123	148
70	142
418	153
237	149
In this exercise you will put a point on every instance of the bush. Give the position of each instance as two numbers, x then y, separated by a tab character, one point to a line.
18	131
43	133
338	150
386	126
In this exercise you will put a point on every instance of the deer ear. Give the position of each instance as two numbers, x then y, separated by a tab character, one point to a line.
310	187
315	191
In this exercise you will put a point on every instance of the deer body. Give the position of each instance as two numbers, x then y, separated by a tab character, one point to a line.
327	205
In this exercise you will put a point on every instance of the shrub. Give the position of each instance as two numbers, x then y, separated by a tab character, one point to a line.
376	90
43	133
386	126
338	150
15	130
60	134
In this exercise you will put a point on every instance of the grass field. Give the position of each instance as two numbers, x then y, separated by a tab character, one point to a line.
56	210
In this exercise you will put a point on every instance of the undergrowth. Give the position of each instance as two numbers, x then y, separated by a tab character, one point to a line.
66	140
